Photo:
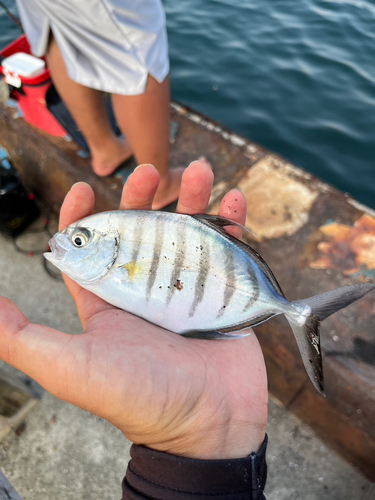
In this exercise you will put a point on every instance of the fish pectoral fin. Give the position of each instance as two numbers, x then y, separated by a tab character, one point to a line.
213	335
135	268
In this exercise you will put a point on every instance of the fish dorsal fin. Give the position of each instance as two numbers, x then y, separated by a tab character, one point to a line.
221	222
218	223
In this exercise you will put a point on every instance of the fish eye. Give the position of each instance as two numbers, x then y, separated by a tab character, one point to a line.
80	237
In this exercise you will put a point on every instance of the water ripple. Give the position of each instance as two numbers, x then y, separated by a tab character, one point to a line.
297	77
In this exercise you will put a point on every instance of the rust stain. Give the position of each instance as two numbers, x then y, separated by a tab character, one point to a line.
350	249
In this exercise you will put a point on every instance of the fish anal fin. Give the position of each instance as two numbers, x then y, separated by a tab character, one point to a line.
212	335
231	332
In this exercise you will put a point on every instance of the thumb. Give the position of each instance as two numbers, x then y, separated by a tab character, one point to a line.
36	350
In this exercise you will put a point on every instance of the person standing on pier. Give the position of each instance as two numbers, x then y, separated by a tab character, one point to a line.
119	47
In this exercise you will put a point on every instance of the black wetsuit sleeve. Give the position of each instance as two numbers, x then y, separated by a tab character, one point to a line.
160	476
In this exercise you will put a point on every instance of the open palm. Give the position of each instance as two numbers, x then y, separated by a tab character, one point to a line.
197	398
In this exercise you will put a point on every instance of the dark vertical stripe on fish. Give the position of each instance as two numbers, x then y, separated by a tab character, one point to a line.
158	243
200	284
137	239
255	291
230	284
179	259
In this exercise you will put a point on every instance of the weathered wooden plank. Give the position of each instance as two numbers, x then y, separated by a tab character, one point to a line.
49	166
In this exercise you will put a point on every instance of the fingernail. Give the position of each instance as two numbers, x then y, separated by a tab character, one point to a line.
203	159
143	165
76	184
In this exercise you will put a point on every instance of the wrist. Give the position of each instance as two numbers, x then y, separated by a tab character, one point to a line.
212	443
214	438
225	444
220	436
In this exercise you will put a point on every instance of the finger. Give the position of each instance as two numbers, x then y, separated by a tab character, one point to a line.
36	350
233	207
196	187
140	188
57	361
79	203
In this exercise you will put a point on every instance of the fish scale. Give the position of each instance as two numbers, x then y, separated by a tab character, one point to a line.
187	274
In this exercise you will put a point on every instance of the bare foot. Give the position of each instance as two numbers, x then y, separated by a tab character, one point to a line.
169	189
106	160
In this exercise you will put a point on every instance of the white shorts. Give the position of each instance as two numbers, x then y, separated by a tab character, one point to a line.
109	45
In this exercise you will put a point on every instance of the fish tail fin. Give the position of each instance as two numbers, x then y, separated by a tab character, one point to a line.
325	304
306	324
308	341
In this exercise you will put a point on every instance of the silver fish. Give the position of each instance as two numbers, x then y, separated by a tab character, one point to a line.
187	274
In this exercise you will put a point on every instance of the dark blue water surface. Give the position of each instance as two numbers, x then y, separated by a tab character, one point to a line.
298	77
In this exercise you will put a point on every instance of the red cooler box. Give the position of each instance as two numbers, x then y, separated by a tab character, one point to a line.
30	90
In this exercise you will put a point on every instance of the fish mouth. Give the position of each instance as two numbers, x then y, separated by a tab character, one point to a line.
57	252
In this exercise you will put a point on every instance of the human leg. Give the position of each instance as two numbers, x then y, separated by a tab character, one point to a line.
87	107
145	121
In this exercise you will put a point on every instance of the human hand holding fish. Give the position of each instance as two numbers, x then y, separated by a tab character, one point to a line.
187	397
181	273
